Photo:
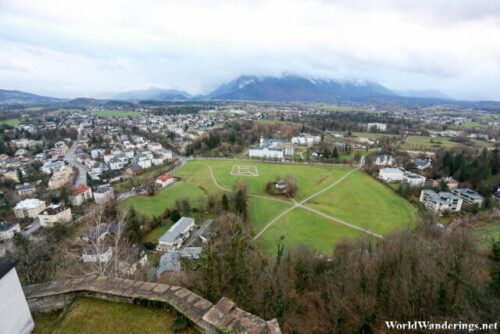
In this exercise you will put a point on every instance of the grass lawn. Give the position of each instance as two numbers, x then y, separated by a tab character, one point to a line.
155	234
310	179
261	211
363	201
424	142
300	226
373	135
471	124
99	316
12	121
359	200
115	113
486	233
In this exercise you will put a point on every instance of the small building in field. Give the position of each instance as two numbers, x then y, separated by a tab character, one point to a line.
385	160
7	230
80	195
176	235
93	254
15	315
55	213
165	180
29	207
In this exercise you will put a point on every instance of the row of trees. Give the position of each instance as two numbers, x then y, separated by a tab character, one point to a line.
409	275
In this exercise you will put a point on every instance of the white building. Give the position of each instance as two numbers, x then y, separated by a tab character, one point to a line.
80	194
176	235
306	140
7	230
469	196
271	149
55	213
414	180
384	160
29	207
91	254
103	195
444	201
391	174
15	316
377	126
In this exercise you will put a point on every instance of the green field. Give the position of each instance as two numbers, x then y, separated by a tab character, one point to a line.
486	233
115	113
432	143
12	121
373	135
98	316
365	202
300	226
359	200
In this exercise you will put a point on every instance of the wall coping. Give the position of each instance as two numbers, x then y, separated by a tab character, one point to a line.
222	317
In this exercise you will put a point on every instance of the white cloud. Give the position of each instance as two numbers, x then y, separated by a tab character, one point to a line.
70	48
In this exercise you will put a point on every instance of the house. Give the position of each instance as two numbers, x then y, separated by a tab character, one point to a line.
55	213
376	126
29	207
60	147
25	189
165	154
155	146
444	201
165	180
15	316
60	178
496	195
469	196
7	230
306	140
271	149
422	163
97	233
80	194
384	160
176	235
391	174
171	261
51	166
92	254
414	180
134	169
451	183
103	195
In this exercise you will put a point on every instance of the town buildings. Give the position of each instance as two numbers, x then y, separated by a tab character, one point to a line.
438	203
55	213
469	196
7	230
80	194
30	207
104	194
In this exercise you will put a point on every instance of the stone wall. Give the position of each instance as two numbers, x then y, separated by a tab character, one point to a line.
205	316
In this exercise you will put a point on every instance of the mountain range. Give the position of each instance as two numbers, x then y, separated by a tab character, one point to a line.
286	88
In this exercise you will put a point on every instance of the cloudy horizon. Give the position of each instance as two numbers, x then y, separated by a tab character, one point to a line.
90	48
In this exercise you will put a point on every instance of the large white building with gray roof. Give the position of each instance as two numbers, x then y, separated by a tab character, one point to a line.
176	235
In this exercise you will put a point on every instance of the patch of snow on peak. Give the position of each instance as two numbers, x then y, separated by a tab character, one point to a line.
245	83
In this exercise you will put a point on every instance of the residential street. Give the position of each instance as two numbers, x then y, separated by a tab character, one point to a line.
82	170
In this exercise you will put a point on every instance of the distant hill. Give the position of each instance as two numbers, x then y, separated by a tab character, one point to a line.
19	97
296	88
433	94
153	94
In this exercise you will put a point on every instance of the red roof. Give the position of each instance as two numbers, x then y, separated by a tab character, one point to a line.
165	177
80	189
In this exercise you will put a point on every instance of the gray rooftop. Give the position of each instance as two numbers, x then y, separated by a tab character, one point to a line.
171	261
468	193
176	229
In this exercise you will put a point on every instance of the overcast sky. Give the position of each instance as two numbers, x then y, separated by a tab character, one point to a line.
70	48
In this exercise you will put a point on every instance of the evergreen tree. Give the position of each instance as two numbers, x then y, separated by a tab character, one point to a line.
240	204
335	154
132	229
225	203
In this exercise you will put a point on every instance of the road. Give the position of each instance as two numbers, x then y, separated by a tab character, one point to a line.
71	159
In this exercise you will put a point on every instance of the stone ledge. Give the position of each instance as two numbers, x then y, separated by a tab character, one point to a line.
207	317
